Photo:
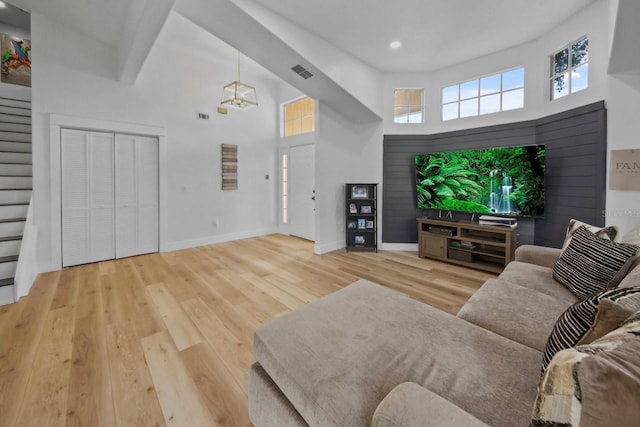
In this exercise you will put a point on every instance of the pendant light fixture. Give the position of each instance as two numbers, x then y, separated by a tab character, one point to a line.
239	95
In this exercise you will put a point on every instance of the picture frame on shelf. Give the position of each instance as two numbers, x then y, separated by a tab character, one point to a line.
359	192
369	224
352	225
361	224
366	209
359	240
353	208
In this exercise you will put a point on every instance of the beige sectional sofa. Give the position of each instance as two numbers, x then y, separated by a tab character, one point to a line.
367	355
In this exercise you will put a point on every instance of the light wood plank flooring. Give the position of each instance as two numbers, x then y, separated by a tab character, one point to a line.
165	339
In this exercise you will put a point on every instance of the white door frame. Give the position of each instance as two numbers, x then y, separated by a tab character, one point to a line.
56	123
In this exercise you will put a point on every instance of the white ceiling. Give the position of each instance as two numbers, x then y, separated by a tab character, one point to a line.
434	34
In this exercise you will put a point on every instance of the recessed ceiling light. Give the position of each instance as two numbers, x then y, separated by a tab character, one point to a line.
2	5
396	44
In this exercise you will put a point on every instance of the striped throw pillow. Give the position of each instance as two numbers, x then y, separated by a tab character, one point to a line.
580	318
589	263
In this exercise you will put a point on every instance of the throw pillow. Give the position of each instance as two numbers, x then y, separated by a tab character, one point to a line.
610	232
593	385
589	263
590	319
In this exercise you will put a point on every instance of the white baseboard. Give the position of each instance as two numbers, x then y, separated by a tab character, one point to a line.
6	295
328	247
210	240
399	246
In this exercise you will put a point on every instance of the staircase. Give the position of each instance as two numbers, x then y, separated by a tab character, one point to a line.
15	187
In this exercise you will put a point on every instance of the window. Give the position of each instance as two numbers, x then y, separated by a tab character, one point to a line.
285	188
407	106
570	69
491	94
299	117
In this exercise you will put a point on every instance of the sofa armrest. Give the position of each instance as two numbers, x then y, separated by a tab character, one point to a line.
540	255
410	405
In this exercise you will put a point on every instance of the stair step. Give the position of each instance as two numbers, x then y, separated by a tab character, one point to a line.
10	126
14	169
13	102
14	196
15	147
13	210
15	158
10	247
12	118
10	238
9	258
15	111
7	282
8	265
16	183
15	136
12	220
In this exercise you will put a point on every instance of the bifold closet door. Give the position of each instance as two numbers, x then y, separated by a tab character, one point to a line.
136	171
88	205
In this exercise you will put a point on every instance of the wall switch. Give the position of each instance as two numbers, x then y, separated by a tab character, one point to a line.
203	116
266	177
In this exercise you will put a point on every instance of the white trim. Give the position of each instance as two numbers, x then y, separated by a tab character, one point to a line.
59	121
328	247
412	247
210	240
6	295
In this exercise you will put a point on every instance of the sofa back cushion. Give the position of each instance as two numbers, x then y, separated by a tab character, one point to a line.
593	385
589	263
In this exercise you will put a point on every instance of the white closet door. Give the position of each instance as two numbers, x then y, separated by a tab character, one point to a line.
137	222
88	208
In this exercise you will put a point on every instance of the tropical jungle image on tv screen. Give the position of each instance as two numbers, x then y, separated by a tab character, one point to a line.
505	181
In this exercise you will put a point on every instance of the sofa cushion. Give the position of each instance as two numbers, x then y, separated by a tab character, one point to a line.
593	385
537	278
410	405
337	358
515	312
609	233
589	263
579	320
632	278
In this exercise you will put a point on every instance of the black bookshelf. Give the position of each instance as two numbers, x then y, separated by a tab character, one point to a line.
361	225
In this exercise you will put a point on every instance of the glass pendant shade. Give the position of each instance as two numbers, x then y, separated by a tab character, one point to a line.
239	95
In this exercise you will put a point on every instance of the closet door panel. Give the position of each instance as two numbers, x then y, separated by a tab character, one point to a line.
87	197
136	195
102	197
148	187
126	195
75	193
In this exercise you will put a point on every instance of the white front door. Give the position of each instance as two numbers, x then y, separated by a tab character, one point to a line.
302	192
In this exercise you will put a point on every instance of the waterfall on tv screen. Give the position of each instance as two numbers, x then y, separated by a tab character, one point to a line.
500	187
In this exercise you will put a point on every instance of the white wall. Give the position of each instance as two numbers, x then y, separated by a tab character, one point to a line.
183	75
593	21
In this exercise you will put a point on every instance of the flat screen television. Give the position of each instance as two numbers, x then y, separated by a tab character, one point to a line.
505	181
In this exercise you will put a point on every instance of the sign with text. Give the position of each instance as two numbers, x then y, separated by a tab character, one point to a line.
624	171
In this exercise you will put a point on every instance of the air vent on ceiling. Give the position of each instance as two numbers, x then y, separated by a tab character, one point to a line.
302	72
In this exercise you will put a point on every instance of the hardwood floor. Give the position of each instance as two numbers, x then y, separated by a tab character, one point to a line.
165	339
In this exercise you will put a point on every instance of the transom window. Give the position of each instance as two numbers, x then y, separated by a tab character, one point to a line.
491	94
408	105
570	69
299	117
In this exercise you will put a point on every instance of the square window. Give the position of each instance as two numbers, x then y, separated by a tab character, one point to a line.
490	104
450	111
468	90
450	94
469	107
580	78
299	116
512	99
408	105
513	79
490	84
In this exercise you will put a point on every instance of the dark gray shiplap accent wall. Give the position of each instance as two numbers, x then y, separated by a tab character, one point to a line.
575	172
